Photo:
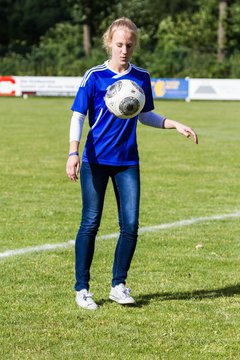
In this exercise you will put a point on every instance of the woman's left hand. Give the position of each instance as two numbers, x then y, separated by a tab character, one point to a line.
186	131
181	128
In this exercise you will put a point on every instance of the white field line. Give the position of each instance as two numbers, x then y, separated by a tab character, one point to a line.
147	229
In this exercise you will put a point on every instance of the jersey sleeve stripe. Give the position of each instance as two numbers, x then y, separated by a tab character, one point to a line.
89	73
140	69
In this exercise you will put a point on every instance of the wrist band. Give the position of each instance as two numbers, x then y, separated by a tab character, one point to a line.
73	153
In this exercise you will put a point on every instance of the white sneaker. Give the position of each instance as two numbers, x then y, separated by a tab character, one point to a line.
120	294
84	299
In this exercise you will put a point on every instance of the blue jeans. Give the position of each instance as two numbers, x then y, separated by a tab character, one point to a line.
126	182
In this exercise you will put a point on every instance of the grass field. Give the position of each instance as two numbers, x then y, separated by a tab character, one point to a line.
188	299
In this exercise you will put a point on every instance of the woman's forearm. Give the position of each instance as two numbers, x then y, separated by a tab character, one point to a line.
73	146
170	124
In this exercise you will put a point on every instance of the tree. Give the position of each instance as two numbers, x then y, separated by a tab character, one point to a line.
222	30
177	37
4	30
91	15
87	44
23	22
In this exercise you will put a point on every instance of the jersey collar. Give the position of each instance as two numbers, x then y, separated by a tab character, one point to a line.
118	75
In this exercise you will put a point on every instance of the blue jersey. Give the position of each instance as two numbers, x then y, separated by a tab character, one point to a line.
111	140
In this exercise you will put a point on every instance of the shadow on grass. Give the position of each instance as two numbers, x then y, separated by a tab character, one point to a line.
227	291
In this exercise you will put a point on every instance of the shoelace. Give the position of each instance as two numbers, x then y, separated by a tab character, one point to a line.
87	296
126	291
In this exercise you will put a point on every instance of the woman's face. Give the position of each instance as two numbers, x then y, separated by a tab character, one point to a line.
122	46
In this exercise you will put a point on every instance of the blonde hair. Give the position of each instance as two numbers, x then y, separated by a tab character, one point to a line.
122	22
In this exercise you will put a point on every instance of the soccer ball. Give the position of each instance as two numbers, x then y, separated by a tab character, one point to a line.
125	99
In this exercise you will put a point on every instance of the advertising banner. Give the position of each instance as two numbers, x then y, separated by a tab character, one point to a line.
169	88
9	86
162	88
49	85
214	89
39	85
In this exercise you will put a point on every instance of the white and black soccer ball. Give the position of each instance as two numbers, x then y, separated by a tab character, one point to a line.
125	99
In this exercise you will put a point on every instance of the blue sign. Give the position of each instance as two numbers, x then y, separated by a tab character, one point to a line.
164	88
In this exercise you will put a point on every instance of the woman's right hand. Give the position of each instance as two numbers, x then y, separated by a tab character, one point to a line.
72	167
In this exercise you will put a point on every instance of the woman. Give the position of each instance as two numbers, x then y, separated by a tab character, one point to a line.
110	152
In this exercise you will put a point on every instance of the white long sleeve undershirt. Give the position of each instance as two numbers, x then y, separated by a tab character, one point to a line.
76	126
